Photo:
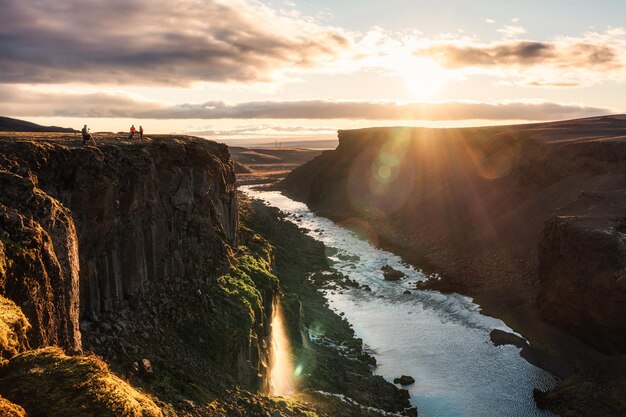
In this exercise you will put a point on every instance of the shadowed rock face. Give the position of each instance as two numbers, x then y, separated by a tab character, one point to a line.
139	214
472	204
582	268
39	251
141	211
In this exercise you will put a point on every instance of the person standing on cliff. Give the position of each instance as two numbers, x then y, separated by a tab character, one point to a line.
87	136
140	132
132	132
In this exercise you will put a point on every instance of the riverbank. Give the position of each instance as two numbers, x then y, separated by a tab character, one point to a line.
335	361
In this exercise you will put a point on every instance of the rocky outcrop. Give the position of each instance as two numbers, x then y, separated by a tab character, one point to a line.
137	210
582	268
39	261
127	231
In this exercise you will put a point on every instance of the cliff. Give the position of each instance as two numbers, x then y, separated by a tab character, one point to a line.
134	247
527	219
582	268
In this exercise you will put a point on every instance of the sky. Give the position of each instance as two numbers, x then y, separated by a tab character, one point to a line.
242	69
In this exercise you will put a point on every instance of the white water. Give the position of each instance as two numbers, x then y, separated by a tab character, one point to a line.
441	340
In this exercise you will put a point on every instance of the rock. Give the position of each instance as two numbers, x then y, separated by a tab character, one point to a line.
391	274
407	292
349	258
582	265
187	404
540	398
145	366
411	412
500	337
404	380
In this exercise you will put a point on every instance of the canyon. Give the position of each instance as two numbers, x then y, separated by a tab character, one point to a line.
527	219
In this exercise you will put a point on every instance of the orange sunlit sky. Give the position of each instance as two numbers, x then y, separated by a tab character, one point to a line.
303	69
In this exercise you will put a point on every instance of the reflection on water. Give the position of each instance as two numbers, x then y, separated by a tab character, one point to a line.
441	340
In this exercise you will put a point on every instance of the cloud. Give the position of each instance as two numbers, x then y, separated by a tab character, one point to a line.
175	42
181	42
263	130
511	31
32	102
324	109
562	62
523	54
21	102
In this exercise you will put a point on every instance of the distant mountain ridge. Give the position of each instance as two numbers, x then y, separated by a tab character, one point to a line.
8	124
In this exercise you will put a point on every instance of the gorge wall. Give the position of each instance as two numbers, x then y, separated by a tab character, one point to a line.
474	204
130	242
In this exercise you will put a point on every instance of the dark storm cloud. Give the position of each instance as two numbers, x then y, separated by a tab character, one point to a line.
155	41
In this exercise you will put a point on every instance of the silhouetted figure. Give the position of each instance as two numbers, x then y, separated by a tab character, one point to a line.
132	132
87	136
141	132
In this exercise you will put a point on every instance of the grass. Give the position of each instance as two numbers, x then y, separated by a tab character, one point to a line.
48	382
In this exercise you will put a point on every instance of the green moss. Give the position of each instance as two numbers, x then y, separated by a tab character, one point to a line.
47	382
240	299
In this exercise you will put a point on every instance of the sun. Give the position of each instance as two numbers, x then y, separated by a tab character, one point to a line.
422	77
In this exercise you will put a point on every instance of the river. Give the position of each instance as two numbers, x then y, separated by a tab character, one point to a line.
441	340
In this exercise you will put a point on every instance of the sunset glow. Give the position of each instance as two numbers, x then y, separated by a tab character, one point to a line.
423	77
277	69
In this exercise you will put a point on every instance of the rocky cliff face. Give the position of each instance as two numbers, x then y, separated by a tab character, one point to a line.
129	240
472	205
582	268
39	260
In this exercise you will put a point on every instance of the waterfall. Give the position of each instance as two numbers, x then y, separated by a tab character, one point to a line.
281	363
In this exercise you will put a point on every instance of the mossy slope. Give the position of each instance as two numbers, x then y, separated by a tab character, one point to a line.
46	382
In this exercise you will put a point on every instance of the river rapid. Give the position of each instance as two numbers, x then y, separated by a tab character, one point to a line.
441	340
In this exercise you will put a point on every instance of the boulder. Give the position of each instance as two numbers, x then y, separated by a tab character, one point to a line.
500	337
145	366
391	274
404	380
